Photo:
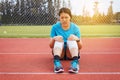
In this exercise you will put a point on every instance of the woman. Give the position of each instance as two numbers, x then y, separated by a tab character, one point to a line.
65	42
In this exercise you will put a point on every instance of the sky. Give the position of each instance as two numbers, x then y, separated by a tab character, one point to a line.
77	6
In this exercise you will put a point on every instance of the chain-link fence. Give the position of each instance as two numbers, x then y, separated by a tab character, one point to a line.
44	12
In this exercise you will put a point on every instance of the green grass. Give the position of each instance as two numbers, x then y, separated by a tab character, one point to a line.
100	30
44	31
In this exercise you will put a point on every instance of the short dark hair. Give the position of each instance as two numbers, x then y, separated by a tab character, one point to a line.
65	10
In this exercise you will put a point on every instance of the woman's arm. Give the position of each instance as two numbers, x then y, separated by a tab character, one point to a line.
79	42
56	38
51	44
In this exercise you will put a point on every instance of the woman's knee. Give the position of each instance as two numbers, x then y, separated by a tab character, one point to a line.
72	44
58	47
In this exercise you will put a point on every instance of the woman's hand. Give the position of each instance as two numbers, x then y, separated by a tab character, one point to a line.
58	38
73	37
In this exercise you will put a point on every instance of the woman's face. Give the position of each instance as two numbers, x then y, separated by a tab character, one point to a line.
65	19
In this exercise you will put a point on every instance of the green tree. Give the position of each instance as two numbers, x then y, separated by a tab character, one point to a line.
110	12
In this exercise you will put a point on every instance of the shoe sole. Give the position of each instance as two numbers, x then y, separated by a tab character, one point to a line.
60	71
72	71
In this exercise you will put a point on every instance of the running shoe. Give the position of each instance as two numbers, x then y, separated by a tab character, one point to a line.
58	67
74	66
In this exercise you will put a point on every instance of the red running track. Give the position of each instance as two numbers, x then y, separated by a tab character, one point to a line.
31	59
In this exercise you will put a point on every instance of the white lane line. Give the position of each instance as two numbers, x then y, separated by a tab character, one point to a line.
42	73
86	52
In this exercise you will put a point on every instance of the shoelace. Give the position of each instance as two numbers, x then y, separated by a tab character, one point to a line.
74	64
57	63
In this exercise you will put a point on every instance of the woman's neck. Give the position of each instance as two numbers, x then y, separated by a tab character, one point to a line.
66	27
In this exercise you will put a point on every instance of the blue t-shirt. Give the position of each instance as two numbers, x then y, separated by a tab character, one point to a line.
58	30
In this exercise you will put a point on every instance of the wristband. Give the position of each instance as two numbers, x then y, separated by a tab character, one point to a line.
78	40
